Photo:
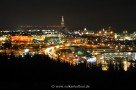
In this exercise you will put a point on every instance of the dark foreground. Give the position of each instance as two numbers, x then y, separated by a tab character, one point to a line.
39	72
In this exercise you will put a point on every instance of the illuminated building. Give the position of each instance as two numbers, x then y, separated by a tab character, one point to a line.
3	38
125	36
21	39
108	33
62	22
63	29
84	31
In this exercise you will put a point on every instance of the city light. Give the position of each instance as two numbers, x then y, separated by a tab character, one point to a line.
98	46
91	60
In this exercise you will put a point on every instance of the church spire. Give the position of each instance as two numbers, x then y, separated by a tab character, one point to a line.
62	22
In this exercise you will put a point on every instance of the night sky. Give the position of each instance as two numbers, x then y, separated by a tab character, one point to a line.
93	14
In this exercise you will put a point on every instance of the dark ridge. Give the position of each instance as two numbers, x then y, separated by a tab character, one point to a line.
40	71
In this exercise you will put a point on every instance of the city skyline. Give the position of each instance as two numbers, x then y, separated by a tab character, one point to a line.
67	44
92	14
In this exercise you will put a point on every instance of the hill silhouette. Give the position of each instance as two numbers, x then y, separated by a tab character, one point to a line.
39	71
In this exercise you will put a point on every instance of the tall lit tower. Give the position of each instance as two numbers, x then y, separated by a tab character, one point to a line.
62	22
63	28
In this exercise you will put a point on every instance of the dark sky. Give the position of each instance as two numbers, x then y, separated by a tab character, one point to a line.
93	14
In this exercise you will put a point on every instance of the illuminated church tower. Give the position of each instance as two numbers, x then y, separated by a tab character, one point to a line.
62	22
63	28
